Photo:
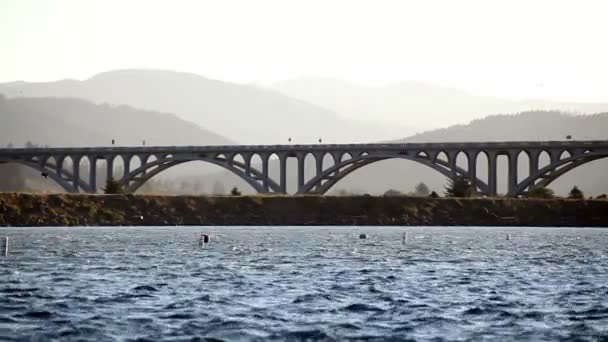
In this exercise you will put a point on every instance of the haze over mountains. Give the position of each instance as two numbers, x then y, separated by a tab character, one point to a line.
419	105
74	122
244	113
168	108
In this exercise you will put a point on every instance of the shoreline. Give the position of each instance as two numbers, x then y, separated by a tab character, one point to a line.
35	210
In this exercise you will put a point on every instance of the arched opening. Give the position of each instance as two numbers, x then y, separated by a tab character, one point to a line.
238	159
482	166
119	167
135	163
565	155
523	166
462	161
149	160
274	167
256	162
422	155
66	166
346	156
309	167
50	162
544	159
180	180
84	169
502	174
389	176
442	157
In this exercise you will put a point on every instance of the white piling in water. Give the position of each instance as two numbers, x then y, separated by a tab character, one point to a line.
508	237
6	246
404	238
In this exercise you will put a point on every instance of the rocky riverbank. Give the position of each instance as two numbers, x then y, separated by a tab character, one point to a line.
130	210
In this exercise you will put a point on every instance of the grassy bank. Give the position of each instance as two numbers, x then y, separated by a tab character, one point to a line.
78	210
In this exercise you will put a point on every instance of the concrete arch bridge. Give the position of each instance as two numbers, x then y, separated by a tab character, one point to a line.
65	165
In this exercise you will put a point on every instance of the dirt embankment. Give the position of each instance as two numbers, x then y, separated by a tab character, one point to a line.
79	210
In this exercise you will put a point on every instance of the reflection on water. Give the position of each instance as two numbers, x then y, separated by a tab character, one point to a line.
304	283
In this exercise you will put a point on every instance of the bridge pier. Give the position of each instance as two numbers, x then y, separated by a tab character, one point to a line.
93	174
265	158
300	157
472	168
283	172
512	182
75	172
492	174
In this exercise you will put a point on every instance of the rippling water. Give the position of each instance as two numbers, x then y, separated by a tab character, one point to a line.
304	283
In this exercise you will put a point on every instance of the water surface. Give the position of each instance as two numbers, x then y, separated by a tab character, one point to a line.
322	283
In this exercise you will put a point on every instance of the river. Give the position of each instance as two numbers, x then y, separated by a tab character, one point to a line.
304	283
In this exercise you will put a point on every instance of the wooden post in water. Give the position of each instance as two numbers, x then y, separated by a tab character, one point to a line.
6	246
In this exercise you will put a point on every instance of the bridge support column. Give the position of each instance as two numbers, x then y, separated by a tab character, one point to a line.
319	167
492	175
533	160
554	158
512	172
247	157
283	172
109	167
93	174
59	166
452	163
127	165
75	172
301	158
265	158
472	169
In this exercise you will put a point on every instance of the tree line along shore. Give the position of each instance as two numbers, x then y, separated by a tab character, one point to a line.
22	209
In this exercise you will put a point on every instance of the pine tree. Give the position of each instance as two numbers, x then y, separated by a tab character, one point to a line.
540	192
113	187
421	190
576	193
459	187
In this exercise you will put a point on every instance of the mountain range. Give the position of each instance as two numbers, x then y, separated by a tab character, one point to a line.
166	108
246	114
418	105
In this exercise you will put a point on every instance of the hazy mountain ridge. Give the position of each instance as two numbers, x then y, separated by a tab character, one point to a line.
263	115
426	106
77	122
531	125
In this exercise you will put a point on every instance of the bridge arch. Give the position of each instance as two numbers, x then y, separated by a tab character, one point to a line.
324	181
549	173
50	170
138	177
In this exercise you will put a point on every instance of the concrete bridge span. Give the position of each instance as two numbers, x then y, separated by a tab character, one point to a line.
63	165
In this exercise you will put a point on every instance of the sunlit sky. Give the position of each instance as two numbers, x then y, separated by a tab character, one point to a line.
519	49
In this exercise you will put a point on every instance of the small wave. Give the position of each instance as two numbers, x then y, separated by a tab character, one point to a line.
474	311
145	288
304	335
358	307
307	298
18	290
179	315
36	314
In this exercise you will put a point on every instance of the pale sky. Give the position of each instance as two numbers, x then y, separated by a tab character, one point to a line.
519	49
